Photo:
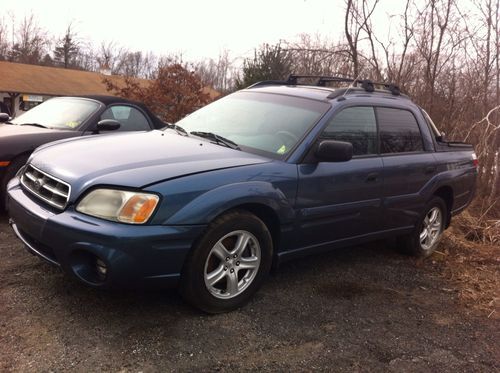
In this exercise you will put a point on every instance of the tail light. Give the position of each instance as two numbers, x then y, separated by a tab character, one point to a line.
475	161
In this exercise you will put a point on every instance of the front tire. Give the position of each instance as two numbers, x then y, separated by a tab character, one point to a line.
422	242
228	264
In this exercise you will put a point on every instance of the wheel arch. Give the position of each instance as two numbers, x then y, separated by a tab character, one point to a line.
264	212
8	174
257	196
445	192
26	154
268	216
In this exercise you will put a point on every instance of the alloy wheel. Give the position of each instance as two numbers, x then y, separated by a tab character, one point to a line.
232	264
431	228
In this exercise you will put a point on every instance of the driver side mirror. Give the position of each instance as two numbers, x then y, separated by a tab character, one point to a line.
334	151
107	125
4	117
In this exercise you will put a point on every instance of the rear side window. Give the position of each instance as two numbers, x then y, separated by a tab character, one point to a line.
399	131
356	125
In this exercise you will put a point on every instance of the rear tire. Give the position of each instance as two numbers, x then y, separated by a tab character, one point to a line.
228	264
14	166
422	242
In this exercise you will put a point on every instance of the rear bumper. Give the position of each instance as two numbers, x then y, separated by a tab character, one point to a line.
133	255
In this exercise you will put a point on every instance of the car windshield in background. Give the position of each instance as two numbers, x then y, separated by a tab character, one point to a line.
60	113
257	121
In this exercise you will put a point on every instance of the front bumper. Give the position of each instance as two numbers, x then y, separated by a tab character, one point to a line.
133	255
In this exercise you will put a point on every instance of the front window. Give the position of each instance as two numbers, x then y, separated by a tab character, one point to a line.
131	119
268	123
356	125
60	113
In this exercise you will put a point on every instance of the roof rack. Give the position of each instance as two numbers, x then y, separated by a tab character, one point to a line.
321	81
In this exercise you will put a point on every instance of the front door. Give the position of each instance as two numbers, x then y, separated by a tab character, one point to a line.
340	200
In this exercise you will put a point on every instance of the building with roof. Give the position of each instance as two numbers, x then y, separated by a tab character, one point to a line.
25	86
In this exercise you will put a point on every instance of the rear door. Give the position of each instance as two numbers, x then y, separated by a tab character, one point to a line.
340	200
409	165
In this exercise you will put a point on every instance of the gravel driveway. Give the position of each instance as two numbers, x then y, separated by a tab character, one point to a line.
358	309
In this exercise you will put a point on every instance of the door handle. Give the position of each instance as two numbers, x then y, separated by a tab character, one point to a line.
371	177
429	170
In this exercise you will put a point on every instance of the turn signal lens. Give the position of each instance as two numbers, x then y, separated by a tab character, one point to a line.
138	209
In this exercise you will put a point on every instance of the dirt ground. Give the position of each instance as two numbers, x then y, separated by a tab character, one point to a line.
358	309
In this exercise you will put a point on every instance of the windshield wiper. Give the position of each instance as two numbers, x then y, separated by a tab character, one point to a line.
34	124
218	139
178	129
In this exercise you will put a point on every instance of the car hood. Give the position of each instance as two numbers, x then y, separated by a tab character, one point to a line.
134	159
15	139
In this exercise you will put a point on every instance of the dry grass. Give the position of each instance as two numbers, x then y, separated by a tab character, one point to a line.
479	227
472	261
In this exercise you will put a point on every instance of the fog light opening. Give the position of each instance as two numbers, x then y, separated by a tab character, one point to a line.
89	267
101	269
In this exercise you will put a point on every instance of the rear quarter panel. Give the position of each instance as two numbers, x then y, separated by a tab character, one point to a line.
456	169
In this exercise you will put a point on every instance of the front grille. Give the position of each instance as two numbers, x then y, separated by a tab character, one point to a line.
48	188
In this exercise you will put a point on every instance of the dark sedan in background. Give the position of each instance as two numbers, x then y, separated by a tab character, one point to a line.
65	117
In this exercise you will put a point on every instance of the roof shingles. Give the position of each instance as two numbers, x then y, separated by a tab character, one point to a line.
51	81
55	81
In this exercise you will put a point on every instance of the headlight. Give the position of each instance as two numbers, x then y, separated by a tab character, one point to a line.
119	205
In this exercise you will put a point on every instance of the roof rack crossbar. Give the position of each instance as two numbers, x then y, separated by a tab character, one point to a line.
321	81
269	82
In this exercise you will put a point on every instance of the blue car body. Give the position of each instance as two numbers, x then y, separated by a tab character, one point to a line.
309	207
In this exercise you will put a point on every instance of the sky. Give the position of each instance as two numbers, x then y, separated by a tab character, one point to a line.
195	28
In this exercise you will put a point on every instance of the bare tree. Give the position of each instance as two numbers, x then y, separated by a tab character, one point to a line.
314	55
31	42
495	164
130	64
397	53
356	19
436	39
109	56
217	73
4	40
86	58
366	24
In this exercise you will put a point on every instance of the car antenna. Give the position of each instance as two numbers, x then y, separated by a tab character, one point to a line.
355	81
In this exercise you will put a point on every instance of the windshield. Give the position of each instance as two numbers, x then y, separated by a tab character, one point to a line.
60	113
264	122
